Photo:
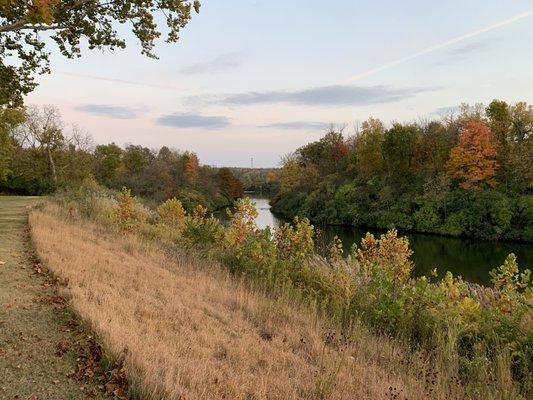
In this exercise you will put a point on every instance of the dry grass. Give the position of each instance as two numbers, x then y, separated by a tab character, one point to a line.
193	332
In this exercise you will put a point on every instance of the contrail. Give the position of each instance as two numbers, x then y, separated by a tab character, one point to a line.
440	46
115	80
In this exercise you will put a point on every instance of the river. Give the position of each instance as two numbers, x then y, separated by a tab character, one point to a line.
471	258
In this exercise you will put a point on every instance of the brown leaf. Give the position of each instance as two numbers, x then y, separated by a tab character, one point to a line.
121	394
62	347
110	387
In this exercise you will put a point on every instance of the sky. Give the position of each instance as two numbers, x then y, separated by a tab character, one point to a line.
259	78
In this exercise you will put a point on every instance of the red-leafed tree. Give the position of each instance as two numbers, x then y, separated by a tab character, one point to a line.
472	162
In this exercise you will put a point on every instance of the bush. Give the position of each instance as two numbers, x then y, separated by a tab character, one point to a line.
129	214
202	231
171	213
427	219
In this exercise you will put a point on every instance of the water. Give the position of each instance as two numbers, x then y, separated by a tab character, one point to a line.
470	258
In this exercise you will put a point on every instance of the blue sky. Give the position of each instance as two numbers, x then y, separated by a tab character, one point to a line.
258	78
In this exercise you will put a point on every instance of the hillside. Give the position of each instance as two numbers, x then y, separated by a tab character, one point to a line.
190	330
266	317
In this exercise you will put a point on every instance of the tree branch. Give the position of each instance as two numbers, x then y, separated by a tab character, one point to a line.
23	23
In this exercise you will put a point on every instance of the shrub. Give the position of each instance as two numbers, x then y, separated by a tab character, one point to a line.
389	252
171	213
426	219
295	242
242	221
129	214
202	231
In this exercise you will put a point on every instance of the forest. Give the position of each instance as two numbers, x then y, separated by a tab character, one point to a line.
468	174
39	155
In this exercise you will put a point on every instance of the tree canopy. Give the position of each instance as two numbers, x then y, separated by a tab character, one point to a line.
26	25
468	174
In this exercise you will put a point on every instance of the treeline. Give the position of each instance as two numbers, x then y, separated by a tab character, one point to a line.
38	156
468	174
258	180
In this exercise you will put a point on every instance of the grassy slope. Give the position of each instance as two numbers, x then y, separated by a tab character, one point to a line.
32	324
191	331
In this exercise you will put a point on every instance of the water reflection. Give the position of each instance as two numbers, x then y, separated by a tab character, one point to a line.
472	259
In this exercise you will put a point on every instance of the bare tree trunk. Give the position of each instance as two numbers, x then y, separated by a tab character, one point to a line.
52	165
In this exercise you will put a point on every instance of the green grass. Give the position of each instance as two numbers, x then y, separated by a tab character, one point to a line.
30	328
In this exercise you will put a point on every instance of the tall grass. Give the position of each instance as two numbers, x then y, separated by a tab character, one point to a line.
475	342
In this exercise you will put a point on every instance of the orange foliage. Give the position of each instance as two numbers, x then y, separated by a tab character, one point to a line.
191	169
472	160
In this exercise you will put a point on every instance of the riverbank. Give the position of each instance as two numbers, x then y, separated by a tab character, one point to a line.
374	288
194	331
473	259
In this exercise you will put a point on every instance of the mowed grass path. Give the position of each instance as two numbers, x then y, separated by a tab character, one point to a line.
37	340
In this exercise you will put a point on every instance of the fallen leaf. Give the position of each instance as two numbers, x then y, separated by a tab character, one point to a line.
121	394
2	263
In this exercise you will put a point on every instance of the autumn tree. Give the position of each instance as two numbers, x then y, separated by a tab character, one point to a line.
69	23
326	154
472	162
369	141
191	168
229	185
433	149
291	173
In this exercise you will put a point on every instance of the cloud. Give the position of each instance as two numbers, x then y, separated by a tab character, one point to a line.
470	48
336	95
297	125
189	120
224	62
118	112
443	111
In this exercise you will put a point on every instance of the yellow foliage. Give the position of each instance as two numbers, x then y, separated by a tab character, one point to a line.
242	221
128	214
390	252
171	213
295	242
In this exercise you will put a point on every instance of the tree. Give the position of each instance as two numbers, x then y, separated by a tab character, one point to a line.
229	185
9	120
291	173
43	131
522	117
23	51
326	154
191	168
472	160
399	149
108	159
136	158
522	155
433	149
369	158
